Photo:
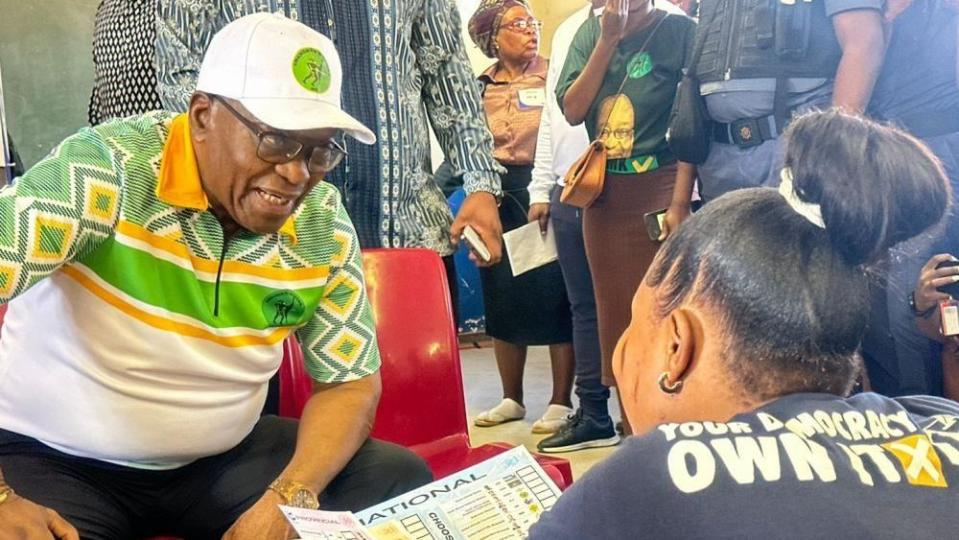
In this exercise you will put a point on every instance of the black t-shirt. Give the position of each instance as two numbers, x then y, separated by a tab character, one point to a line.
803	466
632	121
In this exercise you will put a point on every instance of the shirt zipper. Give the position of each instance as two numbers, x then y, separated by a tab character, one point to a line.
729	40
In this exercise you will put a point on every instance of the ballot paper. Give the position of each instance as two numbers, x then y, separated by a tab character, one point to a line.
498	499
322	525
528	248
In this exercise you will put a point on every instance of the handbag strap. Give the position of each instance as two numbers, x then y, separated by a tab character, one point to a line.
641	50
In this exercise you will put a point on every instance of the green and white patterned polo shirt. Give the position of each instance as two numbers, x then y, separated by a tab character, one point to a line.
134	335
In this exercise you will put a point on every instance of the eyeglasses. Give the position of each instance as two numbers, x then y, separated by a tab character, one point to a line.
521	26
277	148
617	133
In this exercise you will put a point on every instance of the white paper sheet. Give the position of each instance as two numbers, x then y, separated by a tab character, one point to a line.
498	499
322	525
529	249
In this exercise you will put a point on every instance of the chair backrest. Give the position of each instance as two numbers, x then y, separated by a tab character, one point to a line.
296	386
423	398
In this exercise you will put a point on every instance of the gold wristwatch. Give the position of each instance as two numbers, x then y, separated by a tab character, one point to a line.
295	494
5	493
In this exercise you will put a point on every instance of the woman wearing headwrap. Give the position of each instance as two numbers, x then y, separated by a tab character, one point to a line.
532	308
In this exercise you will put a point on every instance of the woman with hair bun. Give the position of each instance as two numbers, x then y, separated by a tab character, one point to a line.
743	345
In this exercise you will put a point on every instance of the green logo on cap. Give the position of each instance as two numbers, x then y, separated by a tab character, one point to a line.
311	70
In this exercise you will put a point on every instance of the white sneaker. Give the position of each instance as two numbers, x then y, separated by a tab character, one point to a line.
508	410
555	417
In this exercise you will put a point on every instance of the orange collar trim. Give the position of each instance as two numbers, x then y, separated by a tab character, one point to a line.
179	181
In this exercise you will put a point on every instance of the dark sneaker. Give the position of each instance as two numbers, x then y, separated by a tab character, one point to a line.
581	432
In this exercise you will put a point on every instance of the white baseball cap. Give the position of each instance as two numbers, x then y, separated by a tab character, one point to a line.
286	74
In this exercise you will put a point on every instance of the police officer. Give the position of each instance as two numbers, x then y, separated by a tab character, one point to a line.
917	90
761	62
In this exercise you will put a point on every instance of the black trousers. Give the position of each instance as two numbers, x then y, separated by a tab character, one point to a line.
199	500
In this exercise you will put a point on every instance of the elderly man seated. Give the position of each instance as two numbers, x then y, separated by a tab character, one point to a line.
153	267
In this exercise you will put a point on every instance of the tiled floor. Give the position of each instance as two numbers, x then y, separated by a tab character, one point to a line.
483	390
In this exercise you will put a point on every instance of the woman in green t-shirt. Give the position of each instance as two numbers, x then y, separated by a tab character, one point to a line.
620	78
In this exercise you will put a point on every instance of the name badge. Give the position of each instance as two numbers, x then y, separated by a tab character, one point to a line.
532	97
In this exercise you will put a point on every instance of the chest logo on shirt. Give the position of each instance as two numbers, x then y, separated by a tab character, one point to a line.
640	65
283	308
311	70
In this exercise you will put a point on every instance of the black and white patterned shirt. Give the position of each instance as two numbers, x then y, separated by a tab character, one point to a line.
124	39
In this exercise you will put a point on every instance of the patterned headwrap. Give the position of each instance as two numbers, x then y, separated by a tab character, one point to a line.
484	24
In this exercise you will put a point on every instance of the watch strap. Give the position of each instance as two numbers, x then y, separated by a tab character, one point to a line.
288	489
5	493
915	309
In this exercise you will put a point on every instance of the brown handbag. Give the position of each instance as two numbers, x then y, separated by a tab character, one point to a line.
587	176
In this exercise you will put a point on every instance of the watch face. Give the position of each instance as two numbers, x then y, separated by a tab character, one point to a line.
303	499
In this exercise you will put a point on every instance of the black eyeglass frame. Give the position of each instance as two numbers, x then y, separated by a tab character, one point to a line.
338	152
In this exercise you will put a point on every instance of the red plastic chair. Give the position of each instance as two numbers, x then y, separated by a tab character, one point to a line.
422	406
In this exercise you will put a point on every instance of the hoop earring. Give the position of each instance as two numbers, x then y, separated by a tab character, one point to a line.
667	388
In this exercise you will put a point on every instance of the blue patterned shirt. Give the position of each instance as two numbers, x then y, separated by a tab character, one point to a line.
418	77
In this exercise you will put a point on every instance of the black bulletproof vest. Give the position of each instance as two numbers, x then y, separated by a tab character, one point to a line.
748	39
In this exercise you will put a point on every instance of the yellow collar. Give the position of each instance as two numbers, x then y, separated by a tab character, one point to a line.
179	182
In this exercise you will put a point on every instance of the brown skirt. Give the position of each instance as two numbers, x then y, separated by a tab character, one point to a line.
619	249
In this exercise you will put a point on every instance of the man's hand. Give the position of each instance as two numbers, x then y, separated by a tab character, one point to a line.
479	211
263	521
21	519
540	212
675	216
931	279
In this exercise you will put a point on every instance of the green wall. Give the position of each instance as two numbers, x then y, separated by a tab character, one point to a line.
46	58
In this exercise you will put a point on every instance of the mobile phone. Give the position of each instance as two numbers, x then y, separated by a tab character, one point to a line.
654	223
953	288
475	243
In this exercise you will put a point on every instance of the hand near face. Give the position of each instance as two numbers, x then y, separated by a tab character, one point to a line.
479	210
613	21
22	519
263	521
